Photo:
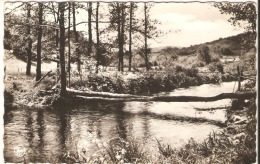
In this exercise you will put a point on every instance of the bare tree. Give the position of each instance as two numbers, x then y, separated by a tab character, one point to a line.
39	40
130	36
62	49
29	40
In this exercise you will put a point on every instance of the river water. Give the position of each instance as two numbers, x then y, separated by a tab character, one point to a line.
50	133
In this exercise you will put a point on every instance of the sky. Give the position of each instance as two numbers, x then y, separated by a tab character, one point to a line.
191	23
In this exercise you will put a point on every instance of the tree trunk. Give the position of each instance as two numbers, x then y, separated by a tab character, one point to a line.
39	45
97	32
145	37
118	36
62	49
127	97
76	35
122	38
29	47
69	43
130	36
57	30
57	48
89	29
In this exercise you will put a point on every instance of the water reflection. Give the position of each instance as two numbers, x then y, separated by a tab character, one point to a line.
49	134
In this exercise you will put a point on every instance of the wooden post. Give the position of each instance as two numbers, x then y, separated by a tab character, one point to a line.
239	78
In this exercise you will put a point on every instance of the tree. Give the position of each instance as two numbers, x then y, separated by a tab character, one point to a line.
29	40
148	30
56	20
39	39
117	23
62	48
97	46
76	35
204	54
89	28
69	41
130	36
122	35
145	36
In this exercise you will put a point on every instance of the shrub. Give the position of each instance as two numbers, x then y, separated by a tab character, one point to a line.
178	68
199	64
216	66
192	72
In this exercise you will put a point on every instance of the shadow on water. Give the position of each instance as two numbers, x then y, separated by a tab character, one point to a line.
51	133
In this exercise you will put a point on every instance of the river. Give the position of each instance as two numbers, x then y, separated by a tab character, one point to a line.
50	133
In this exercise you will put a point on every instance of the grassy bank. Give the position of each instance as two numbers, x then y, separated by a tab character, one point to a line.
148	82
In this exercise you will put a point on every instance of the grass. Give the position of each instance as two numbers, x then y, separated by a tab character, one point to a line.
23	92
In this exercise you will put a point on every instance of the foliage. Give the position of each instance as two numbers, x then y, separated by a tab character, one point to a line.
168	55
149	82
216	66
227	51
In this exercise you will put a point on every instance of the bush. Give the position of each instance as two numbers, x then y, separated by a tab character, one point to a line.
199	64
216	66
178	68
227	51
214	58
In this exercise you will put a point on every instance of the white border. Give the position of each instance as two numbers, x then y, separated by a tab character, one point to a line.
2	51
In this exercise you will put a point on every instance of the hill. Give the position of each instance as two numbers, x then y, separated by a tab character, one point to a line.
229	47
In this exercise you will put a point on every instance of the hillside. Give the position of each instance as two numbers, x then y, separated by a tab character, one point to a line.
229	47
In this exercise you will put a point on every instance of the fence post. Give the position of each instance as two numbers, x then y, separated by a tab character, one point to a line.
239	78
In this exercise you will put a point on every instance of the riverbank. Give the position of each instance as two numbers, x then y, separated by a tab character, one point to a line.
20	90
